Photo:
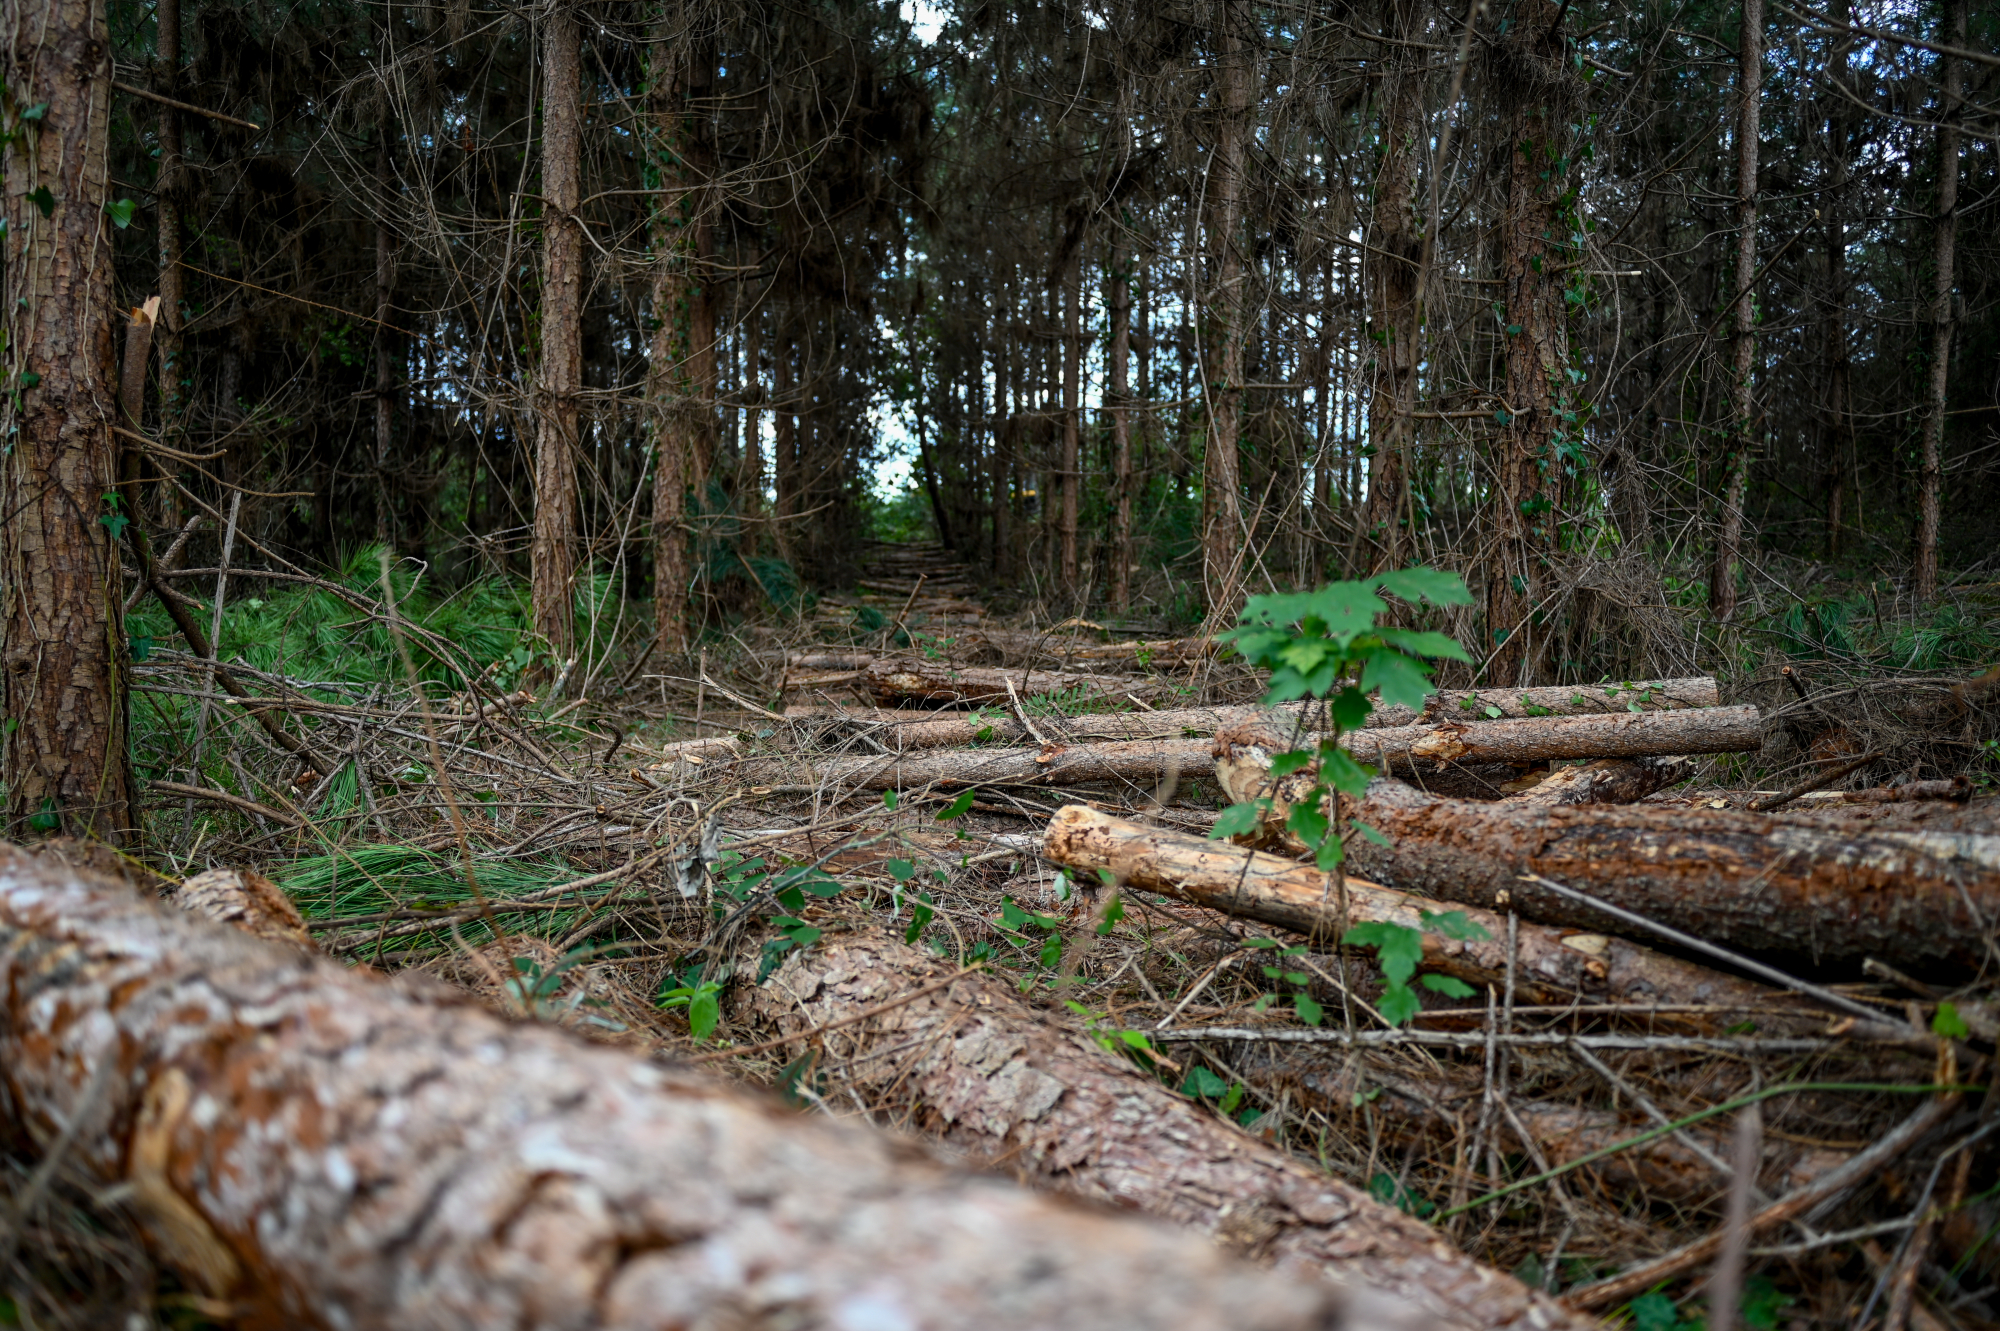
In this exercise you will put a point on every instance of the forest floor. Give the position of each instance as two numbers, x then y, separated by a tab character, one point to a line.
635	866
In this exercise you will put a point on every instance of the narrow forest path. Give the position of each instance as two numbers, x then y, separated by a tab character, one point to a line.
920	582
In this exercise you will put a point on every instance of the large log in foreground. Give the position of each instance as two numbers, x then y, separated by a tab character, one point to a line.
1551	965
323	1149
991	1078
1755	882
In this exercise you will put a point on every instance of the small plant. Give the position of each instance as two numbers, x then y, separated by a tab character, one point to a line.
702	999
538	992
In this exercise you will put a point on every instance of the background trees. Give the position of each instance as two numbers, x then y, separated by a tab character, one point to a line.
1156	305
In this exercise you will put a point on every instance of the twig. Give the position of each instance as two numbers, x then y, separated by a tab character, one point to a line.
904	613
151	96
1021	714
1728	1277
1768	803
1795	1203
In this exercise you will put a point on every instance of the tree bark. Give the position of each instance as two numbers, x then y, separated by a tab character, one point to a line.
1071	474
560	379
1944	222
935	683
1743	348
1397	241
169	190
1222	505
1139	764
66	765
1608	781
1539	438
997	1081
316	1145
384	347
1760	883
900	731
1119	289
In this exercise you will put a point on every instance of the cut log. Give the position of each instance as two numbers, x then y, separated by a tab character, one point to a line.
1760	883
1607	781
935	684
1473	706
1137	765
1552	965
1534	739
317	1147
998	1081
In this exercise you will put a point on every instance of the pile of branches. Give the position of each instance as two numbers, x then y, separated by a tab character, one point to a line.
1604	1025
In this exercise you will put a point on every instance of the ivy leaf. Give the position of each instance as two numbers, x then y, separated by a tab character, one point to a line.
142	650
117	522
43	200
36	112
1949	1023
1203	1084
120	212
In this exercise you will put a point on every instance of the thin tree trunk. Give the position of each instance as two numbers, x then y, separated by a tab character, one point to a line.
996	1080
293	1136
1120	393
1743	350
1944	220
553	554
1397	242
1071	475
1541	100
1222	513
1835	422
169	190
385	346
67	763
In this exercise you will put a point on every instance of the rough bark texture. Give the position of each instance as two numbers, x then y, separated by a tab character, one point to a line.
1118	397
937	684
1225	315
1743	347
1000	1082
1944	223
1397	243
1530	739
1070	477
1756	882
66	766
1553	965
1139	764
321	1148
1607	781
560	378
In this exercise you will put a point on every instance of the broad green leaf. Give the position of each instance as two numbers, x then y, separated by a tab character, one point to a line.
1397	946
705	1013
1399	1004
901	870
1309	1010
958	807
1350	707
1426	584
1370	833
1439	646
1400	679
1455	924
1238	819
1329	855
1284	764
1339	770
1307	822
1448	985
1202	1083
1949	1023
120	212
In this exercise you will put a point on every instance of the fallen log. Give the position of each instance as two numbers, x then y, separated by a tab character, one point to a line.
1759	883
907	681
316	1146
1608	781
1416	749
1650	695
996	1080
1136	764
1551	965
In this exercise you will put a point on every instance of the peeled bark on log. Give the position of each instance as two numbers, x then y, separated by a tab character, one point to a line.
998	1081
937	684
1551	966
1651	695
1137	764
1534	739
1759	883
1607	781
320	1147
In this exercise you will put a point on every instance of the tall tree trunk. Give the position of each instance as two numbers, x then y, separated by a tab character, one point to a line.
1542	98
1944	219
169	189
680	361
750	468
1397	239
1072	410
1834	416
67	763
1743	350
1119	302
385	346
1222	515
553	552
